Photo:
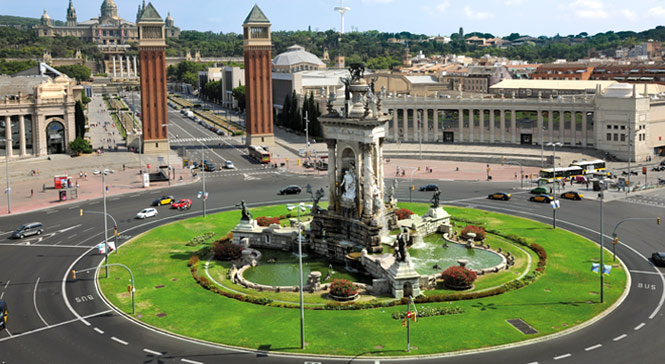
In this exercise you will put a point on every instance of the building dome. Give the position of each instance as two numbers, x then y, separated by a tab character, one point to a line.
46	20
296	58
169	21
109	9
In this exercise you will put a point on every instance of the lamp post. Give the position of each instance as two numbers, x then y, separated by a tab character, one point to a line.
554	200
204	195
301	207
306	134
168	151
106	238
601	194
614	232
8	144
630	152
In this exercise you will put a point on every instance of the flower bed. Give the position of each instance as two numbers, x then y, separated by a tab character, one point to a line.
458	277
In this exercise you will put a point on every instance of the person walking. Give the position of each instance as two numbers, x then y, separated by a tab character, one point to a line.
32	192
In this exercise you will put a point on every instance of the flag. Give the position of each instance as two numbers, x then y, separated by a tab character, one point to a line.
595	267
111	245
607	269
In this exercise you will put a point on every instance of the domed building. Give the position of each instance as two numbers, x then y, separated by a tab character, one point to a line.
296	59
111	32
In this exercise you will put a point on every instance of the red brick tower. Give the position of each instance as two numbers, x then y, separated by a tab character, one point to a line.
258	79
152	56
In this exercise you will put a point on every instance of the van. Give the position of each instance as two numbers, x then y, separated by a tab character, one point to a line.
33	228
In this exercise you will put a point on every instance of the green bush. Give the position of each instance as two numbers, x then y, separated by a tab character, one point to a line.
458	276
80	145
225	250
343	288
430	311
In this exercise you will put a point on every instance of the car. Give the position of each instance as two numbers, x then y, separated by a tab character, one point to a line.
208	166
149	212
229	165
164	200
182	204
539	190
429	187
3	312
658	258
572	195
290	190
499	196
541	198
33	228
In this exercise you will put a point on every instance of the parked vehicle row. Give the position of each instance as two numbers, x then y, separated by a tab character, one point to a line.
189	114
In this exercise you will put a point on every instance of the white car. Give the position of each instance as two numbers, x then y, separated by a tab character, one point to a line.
229	165
149	212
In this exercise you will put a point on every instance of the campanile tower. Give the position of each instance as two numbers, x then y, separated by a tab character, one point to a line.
258	79
152	56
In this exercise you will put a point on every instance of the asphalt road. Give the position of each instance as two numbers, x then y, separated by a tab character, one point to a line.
54	319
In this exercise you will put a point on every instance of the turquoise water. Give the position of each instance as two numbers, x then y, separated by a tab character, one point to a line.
284	272
425	255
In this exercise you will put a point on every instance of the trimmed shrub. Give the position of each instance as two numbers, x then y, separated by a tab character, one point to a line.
479	231
343	288
403	214
224	250
267	220
194	260
458	276
430	311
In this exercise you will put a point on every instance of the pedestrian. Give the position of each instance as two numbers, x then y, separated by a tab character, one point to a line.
85	174
515	175
32	192
456	169
123	166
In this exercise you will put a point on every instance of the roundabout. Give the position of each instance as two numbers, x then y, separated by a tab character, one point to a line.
169	298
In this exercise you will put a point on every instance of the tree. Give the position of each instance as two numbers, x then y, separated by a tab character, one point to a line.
239	94
76	71
79	119
80	145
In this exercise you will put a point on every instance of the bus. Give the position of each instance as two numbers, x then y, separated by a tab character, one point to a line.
259	153
548	175
589	167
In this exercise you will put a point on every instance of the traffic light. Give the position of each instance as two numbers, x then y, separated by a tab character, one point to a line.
73	274
129	288
658	220
616	241
502	160
644	170
81	212
413	187
418	168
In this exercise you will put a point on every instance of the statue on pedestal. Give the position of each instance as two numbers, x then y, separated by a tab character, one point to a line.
403	239
435	199
349	184
246	215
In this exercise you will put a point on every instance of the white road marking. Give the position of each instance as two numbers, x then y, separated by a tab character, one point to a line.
119	341
34	301
190	361
27	243
69	228
153	352
563	356
7	284
639	326
2	294
54	325
88	229
643	272
99	331
620	337
593	347
8	333
69	237
533	362
51	212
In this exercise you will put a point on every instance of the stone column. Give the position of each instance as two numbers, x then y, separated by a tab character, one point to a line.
435	137
513	126
472	120
114	72
573	127
8	136
21	135
550	125
395	126
379	165
332	175
122	69
405	124
367	176
491	125
502	124
481	122
584	128
541	137
562	117
136	72
424	126
460	123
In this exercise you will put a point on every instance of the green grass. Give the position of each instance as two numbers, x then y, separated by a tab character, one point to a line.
564	296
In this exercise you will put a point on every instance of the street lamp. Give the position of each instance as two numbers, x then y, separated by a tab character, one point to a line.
8	144
301	207
630	152
106	238
168	151
555	202
307	134
601	194
203	195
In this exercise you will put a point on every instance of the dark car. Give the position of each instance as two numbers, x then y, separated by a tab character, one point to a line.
164	200
429	187
290	190
3	312
33	228
572	195
499	196
541	198
658	258
539	190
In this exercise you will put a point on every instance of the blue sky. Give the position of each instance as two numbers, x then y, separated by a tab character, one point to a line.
432	17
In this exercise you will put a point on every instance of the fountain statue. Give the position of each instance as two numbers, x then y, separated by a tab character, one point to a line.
246	215
435	199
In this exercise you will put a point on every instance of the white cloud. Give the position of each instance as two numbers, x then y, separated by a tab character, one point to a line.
476	15
658	11
587	9
441	7
628	14
513	2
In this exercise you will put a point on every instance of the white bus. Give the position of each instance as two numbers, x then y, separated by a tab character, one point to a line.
548	175
590	167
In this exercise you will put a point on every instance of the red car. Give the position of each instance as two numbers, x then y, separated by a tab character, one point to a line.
183	204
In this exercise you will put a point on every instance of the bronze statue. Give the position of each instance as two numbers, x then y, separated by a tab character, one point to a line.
246	215
435	198
403	239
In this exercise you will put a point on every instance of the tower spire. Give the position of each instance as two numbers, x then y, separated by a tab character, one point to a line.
342	9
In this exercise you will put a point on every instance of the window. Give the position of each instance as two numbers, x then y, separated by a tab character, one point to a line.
616	137
609	137
623	137
609	126
616	126
623	127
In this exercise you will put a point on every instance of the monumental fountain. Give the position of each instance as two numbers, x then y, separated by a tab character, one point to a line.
359	216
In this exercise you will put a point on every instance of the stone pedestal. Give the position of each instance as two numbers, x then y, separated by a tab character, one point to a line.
403	277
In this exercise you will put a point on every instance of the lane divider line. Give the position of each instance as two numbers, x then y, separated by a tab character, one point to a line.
99	331
157	353
54	325
563	356
123	342
593	347
34	301
639	326
190	361
620	337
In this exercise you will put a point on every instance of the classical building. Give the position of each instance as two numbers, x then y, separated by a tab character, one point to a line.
37	112
563	71
152	45
111	33
296	59
258	79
